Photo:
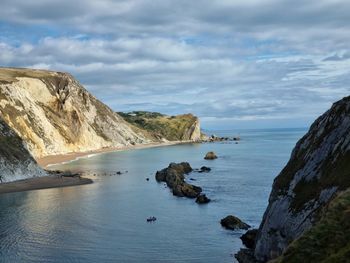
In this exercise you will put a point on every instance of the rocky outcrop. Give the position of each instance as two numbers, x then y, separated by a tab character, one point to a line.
210	156
233	223
214	138
249	238
16	163
174	176
318	169
54	114
185	127
202	199
204	169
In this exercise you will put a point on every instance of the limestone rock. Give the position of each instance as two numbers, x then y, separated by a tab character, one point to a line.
16	163
54	114
319	167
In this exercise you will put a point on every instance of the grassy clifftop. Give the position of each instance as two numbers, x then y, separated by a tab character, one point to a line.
159	126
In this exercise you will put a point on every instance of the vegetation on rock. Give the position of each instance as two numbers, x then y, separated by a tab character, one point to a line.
160	126
328	240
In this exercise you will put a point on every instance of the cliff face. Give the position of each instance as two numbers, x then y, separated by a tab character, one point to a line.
15	161
184	127
54	114
318	169
328	241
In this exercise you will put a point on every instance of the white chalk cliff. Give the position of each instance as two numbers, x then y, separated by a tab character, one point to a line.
54	114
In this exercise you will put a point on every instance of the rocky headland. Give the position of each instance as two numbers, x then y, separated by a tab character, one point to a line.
157	126
307	216
54	118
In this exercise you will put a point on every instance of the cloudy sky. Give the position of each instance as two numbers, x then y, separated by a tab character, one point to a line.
236	64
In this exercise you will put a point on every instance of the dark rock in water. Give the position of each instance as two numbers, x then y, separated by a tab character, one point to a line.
210	156
202	199
246	255
151	219
192	179
187	190
183	167
248	239
205	169
233	223
214	138
174	176
147	179
119	172
70	174
174	169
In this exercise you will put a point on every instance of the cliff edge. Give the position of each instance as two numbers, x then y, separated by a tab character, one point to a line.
185	127
319	168
54	114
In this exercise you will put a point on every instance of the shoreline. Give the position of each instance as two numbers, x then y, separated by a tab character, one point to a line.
47	161
57	180
43	182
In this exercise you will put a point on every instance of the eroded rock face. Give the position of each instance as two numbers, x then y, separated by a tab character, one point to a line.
54	114
16	163
249	238
174	176
318	168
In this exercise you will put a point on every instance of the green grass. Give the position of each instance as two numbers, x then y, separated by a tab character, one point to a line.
9	75
328	241
172	128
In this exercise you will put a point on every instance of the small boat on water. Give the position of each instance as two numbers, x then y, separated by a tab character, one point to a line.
151	219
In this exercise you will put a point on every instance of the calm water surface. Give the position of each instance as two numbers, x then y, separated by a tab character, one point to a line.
106	221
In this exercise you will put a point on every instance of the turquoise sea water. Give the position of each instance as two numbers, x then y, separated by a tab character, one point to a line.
106	221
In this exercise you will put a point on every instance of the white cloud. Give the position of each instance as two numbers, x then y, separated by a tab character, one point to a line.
227	60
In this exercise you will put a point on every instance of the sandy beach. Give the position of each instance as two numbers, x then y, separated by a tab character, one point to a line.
45	162
51	181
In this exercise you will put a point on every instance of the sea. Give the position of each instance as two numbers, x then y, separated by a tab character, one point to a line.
106	221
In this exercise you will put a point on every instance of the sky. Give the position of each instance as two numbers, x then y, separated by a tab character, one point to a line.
235	64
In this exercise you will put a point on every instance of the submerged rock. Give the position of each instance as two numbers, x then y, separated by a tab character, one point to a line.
233	223
210	156
249	238
202	199
204	169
